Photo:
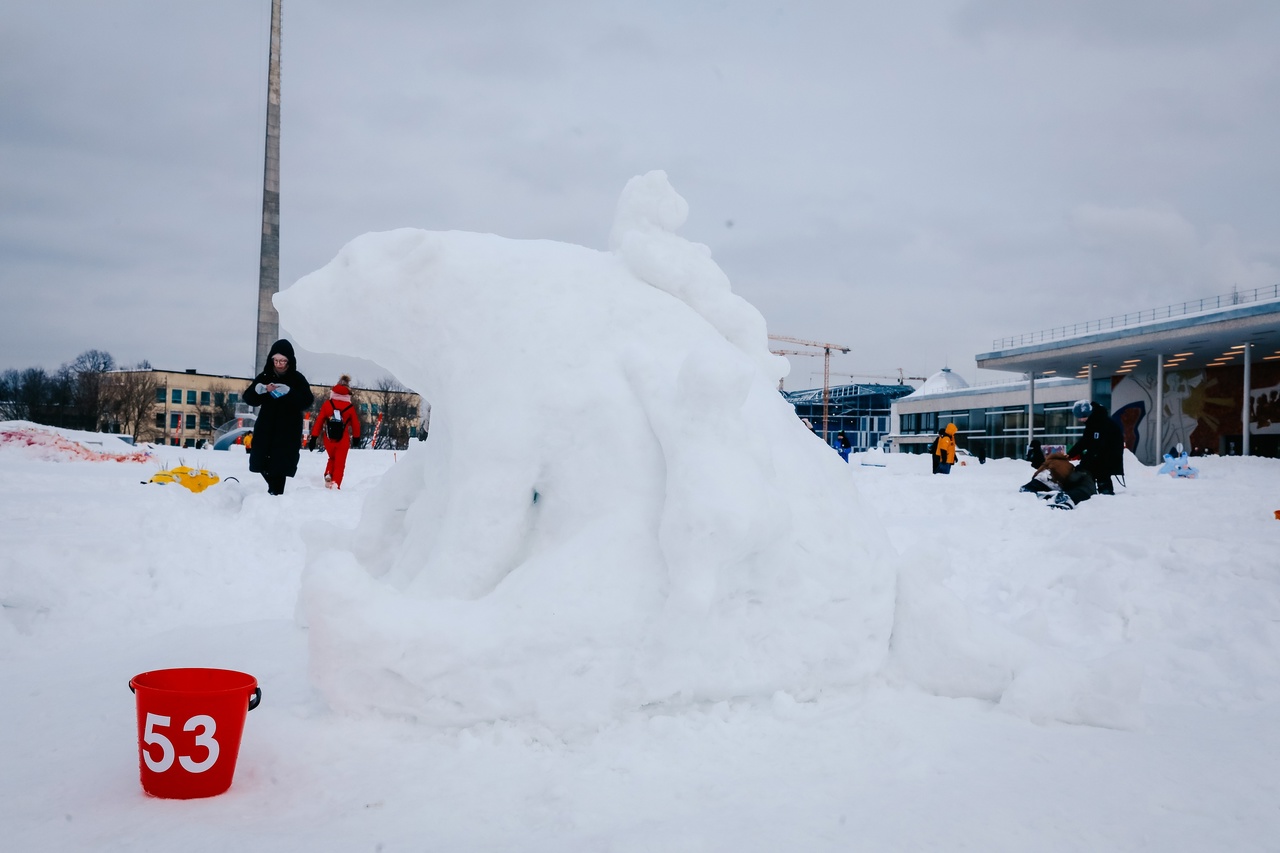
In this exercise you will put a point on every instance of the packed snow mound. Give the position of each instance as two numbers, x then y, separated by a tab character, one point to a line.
58	445
615	506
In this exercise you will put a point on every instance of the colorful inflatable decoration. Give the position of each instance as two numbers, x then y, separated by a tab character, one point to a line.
197	480
1179	467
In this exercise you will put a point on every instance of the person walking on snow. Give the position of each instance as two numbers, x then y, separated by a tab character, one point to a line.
281	394
843	447
338	425
933	447
945	454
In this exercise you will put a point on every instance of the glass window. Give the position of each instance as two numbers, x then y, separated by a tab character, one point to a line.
1012	421
160	394
364	408
190	442
413	412
233	398
176	397
204	398
205	422
191	397
374	408
175	418
219	398
1059	426
159	420
191	421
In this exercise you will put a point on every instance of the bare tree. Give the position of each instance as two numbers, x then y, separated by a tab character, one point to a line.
87	378
29	395
393	406
131	396
220	408
11	409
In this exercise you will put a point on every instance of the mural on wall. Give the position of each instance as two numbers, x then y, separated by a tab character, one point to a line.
1264	410
1200	402
1201	410
1132	397
1129	418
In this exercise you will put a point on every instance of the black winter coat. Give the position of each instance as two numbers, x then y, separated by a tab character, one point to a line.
1035	455
1101	446
277	433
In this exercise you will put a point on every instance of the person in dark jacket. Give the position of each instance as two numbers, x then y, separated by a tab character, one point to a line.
281	394
843	446
1101	446
1035	453
933	447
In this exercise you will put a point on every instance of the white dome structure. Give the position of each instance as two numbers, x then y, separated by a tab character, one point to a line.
942	381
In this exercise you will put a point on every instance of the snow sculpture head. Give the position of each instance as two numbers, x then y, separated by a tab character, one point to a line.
614	507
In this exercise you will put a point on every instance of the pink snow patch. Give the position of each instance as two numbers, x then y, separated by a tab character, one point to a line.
55	448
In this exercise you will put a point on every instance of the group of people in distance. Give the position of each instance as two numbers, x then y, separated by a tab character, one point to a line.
1100	451
283	396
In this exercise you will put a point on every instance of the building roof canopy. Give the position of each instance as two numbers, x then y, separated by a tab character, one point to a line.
1185	343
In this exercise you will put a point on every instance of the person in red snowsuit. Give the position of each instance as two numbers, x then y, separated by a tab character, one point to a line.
338	425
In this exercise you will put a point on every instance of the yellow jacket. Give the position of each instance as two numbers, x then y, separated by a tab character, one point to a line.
946	451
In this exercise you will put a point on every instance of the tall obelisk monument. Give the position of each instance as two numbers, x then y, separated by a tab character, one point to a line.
269	269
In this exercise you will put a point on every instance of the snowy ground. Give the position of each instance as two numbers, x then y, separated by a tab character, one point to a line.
1173	582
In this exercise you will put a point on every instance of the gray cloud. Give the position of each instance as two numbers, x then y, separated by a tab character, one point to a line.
1127	24
911	181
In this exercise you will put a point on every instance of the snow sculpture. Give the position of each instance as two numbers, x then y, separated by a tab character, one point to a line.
615	506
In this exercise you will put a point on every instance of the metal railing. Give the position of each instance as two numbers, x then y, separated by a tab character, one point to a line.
1121	321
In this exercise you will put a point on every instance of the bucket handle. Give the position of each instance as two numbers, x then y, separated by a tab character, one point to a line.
254	701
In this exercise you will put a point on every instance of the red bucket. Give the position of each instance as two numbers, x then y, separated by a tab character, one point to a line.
189	727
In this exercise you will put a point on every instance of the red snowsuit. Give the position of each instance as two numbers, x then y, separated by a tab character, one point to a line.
339	403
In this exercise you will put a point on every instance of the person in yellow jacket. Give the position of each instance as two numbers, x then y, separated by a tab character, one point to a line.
945	454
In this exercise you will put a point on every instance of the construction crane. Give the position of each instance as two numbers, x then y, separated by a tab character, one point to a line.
826	369
902	380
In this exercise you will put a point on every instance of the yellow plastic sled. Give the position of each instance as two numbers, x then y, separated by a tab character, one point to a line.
197	480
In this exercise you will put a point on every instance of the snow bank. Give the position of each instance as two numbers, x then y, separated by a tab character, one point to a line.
615	506
57	445
944	646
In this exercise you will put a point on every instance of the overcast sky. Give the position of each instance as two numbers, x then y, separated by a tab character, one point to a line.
910	179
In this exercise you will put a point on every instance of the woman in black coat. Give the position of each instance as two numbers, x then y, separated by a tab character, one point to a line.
281	394
1101	446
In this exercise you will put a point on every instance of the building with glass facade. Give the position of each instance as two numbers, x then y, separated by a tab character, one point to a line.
861	412
1204	374
990	419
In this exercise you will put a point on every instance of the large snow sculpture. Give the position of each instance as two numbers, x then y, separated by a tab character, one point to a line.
615	507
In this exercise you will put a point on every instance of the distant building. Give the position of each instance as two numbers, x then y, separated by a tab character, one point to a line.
991	418
186	408
861	412
1204	374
